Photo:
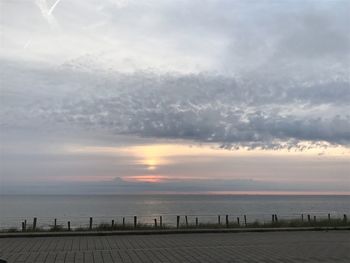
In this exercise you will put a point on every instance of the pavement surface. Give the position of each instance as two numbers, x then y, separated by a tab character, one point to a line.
306	246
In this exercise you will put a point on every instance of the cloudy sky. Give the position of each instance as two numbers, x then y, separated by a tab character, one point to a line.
163	96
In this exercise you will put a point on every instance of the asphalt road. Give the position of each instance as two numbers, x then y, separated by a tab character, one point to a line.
309	246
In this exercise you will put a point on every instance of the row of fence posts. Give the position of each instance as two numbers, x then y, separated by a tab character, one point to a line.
219	221
227	222
345	218
34	226
135	222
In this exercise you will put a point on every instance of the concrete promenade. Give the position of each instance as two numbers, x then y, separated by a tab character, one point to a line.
307	246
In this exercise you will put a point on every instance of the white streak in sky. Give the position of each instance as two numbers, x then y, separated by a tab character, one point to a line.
46	12
53	7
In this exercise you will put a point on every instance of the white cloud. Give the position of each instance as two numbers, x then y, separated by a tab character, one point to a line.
229	37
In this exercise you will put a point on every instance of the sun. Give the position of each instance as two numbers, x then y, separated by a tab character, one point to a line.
151	163
151	156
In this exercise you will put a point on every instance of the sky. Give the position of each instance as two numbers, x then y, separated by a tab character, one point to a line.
181	97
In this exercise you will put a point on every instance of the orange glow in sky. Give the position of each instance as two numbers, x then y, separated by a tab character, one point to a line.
146	178
152	163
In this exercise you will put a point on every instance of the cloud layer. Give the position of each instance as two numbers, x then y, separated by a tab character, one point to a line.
253	73
200	107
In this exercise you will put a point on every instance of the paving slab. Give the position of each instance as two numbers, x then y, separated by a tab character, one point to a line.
304	246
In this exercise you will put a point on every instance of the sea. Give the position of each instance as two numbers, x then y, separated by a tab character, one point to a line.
77	209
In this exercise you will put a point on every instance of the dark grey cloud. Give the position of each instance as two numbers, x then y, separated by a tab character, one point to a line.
315	37
200	107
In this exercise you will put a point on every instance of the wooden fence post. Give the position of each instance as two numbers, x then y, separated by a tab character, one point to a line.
186	221
161	222
34	223
329	217
238	221
68	225
123	221
196	221
23	227
135	221
245	220
90	223
25	224
219	220
155	222
309	219
55	224
177	222
112	223
226	219
276	218
273	218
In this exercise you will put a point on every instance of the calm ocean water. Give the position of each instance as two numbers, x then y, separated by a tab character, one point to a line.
78	208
